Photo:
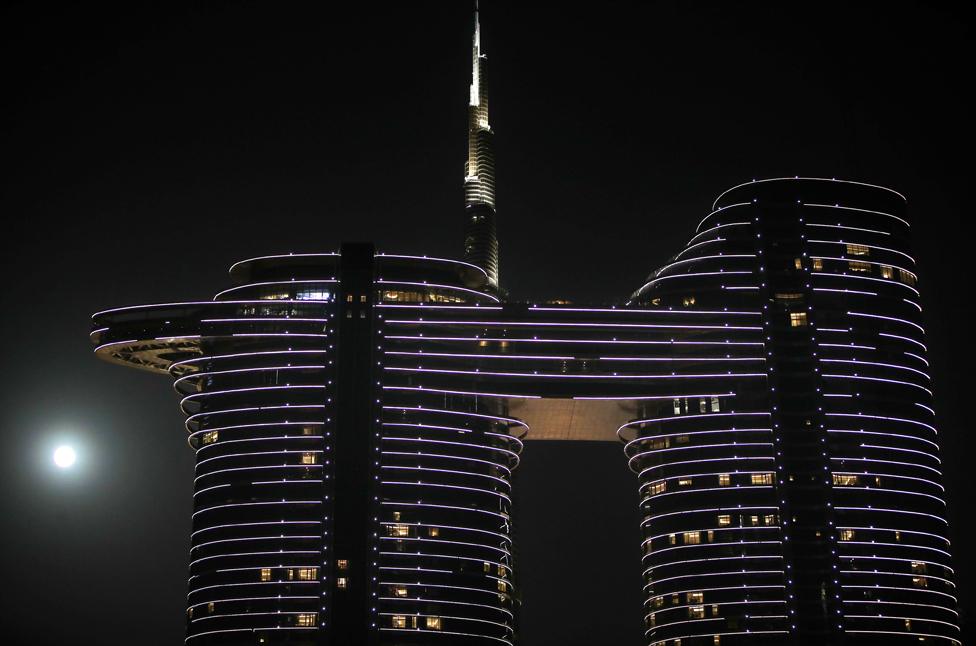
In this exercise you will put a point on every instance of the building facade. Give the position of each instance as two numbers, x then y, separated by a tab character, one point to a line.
357	418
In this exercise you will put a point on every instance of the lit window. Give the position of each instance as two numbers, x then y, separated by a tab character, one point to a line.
312	295
398	530
696	612
433	623
684	482
754	520
210	436
348	298
342	564
798	319
817	264
433	531
688	300
762	478
908	626
715	612
692	538
677	406
859	265
487	566
342	582
694	597
399	621
307	619
724	479
716	639
858	250
400	591
847	534
658	487
210	607
898	536
920	582
682	439
724	520
265	574
798	263
887	271
396	515
716	405
655	301
362	298
906	277
658	602
652	620
919	567
502	586
702	405
845	479
309	457
672	539
788	296
308	430
308	573
769	519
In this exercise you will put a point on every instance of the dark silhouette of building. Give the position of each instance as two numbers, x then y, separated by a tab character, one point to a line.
357	417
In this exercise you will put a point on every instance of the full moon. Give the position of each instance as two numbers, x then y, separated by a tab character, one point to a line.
64	456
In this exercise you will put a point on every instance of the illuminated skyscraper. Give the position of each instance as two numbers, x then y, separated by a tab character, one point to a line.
480	229
357	417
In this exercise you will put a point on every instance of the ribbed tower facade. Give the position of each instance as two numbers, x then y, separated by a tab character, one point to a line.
825	516
480	229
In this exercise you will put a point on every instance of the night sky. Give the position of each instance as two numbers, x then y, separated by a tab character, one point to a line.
148	147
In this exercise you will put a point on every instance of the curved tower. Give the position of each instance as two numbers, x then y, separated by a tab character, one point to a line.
854	517
480	232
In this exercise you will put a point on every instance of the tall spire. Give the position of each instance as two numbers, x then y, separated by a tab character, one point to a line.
480	235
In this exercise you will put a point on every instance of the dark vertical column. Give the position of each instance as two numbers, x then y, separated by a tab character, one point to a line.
798	426
354	432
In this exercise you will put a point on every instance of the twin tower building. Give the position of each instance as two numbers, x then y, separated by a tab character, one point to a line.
357	417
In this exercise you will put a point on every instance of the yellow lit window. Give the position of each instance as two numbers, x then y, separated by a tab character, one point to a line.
897	536
920	582
682	439
362	298
655	301
309	457
716	640
694	597
398	530
210	607
711	535
724	479
673	539
724	520
692	538
919	567
348	298
433	623
754	520
210	436
696	612
308	430
847	534
342	564
342	583
487	567
265	574
762	478
906	277
433	531
845	479
189	612
658	487
658	602
502	586
688	301
400	591
308	573
769	519
398	621
817	264
715	610
908	626
798	319
798	263
307	619
887	271
652	620
859	265
857	250
684	482
502	570
788	296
